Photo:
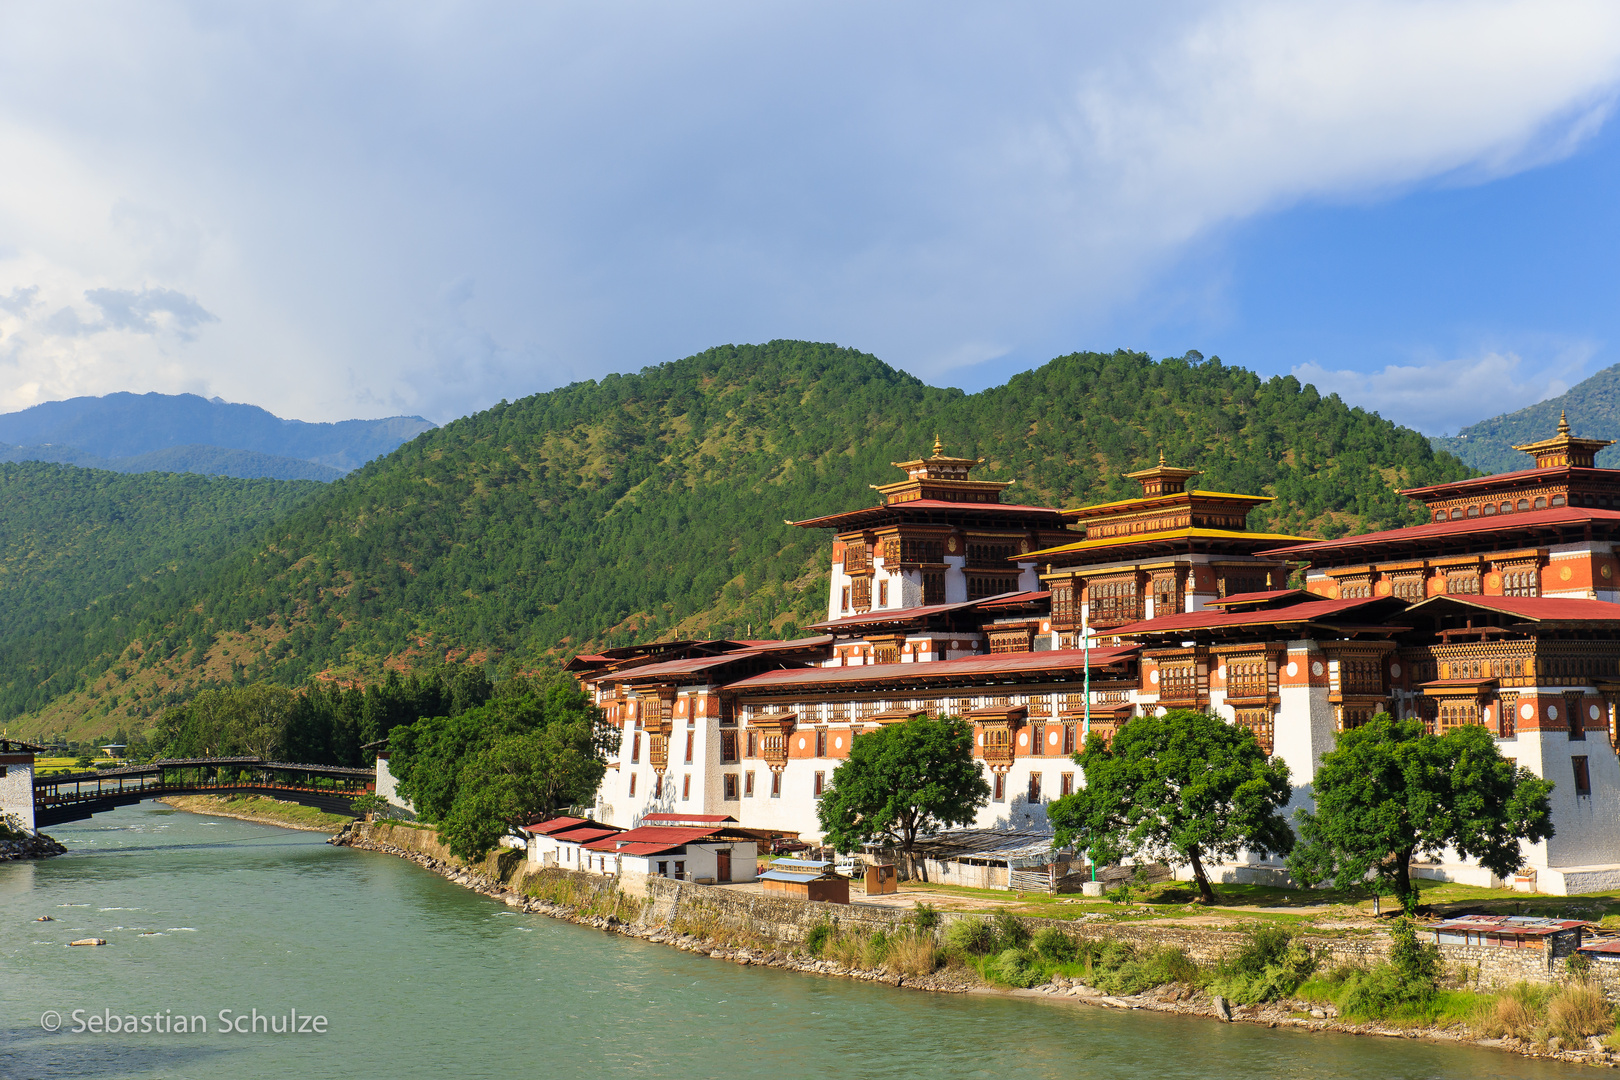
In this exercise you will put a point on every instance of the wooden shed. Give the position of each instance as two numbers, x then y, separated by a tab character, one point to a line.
805	879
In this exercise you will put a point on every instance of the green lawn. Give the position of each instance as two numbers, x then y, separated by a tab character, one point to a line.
1303	907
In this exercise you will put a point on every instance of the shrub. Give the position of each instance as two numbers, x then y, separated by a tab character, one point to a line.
1417	963
1578	1009
875	950
1270	965
924	916
1518	1012
1015	967
817	938
1055	947
970	935
1011	931
913	954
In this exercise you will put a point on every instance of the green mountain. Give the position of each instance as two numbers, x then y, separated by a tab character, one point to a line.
652	505
205	460
72	538
1594	410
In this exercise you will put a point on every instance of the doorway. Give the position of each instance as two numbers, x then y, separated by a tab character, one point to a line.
722	864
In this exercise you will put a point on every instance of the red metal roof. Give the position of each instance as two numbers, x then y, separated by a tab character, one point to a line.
705	663
1311	611
1016	599
1265	597
1510	925
1508	478
1535	608
673	819
555	825
651	839
994	664
585	834
896	614
1439	530
827	521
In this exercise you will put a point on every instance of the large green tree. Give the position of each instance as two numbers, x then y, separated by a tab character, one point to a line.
1389	791
537	745
1181	788
903	781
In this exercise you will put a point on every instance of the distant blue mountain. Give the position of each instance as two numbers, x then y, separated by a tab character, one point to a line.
208	460
187	433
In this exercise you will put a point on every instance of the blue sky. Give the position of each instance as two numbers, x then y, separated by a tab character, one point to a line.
426	208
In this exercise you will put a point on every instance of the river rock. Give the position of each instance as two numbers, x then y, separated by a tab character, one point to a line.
89	941
1222	1009
46	918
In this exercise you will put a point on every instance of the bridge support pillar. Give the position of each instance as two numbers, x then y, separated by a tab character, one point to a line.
17	785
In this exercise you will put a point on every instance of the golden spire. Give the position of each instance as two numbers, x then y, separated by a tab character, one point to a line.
1161	455
1563	422
939	447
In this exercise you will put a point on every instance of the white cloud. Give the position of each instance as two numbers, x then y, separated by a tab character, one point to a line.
1440	397
935	184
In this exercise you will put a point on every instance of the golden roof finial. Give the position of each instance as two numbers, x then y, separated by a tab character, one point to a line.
1563	422
1161	455
939	447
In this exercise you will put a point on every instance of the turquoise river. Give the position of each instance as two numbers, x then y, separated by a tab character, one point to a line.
416	977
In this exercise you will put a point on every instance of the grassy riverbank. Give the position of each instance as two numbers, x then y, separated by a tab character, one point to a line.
261	809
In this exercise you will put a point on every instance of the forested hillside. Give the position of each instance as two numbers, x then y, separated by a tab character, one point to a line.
653	504
1594	410
206	460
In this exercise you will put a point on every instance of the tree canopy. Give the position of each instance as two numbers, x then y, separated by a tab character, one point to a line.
536	746
1182	788
903	781
1389	791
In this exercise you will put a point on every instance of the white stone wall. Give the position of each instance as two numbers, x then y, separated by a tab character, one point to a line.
17	789
387	786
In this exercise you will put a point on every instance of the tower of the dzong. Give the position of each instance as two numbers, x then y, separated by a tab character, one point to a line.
939	536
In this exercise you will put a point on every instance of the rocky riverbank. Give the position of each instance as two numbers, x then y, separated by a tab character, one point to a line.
21	846
1173	998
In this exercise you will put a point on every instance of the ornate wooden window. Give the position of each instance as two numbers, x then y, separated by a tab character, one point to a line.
1521	583
861	593
883	594
1455	714
1166	595
933	586
1114	602
885	650
1233	582
1353	716
1359	588
728	746
635	748
844	599
1068	784
1247	677
1361	675
1069	744
1408	587
1017	640
1065	611
1178	680
1583	778
922	551
658	751
856	560
753	744
980	553
1575	715
983	585
773	740
1034	788
1258	721
1463	581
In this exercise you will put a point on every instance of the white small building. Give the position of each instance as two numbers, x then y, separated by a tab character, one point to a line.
17	783
707	854
561	842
